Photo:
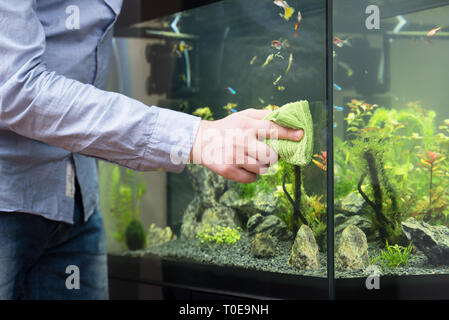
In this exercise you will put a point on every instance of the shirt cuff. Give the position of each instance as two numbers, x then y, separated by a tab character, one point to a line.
170	141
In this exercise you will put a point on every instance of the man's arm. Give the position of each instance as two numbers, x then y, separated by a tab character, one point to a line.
40	104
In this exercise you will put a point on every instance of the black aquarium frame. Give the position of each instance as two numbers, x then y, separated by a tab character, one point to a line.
152	277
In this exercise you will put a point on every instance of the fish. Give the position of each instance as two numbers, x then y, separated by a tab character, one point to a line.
276	44
268	60
277	80
286	44
288	11
184	46
280	3
339	108
253	60
262	101
340	43
281	88
348	69
298	22
290	61
336	86
232	91
230	107
434	31
323	163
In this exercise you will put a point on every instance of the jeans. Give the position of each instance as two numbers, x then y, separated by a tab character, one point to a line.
45	259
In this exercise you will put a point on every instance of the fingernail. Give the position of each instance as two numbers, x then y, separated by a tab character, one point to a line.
299	134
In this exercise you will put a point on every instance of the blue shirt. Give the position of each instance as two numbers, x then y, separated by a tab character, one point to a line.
55	119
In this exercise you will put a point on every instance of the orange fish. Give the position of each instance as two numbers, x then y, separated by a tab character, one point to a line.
323	163
434	31
276	44
298	23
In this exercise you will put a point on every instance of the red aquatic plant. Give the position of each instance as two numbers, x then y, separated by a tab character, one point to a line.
430	161
322	160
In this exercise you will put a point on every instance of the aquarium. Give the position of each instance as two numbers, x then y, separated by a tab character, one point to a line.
365	214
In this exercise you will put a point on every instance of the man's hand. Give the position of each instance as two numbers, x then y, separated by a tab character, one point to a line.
233	147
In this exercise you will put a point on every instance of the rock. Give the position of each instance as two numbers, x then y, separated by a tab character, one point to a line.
253	222
219	215
304	253
352	250
272	225
264	203
204	208
208	185
191	217
197	216
262	246
135	235
432	241
352	204
157	236
362	222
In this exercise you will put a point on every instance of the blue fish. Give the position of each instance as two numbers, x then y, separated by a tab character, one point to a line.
231	90
337	87
339	108
335	125
233	110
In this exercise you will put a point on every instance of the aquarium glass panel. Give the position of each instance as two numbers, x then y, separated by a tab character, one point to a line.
213	61
391	137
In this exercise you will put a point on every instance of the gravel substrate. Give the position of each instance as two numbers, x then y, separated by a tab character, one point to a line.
239	255
236	255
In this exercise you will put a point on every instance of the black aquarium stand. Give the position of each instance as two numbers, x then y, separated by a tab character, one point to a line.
151	277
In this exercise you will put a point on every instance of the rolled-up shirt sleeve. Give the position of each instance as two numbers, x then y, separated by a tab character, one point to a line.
40	104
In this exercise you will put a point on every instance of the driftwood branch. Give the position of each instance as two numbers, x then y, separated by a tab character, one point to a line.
296	211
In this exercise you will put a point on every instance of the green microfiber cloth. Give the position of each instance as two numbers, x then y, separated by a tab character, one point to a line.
295	115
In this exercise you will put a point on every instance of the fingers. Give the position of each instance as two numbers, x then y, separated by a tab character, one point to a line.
270	129
254	166
238	174
255	114
262	152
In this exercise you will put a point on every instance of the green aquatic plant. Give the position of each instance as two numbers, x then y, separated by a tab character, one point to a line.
393	256
218	234
430	161
126	193
369	154
346	178
387	217
135	235
205	113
